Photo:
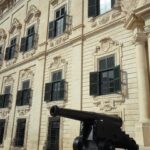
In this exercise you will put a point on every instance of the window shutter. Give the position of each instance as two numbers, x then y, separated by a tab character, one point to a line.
2	127
112	3
117	78
92	8
20	132
6	101
52	29
53	133
19	98
26	94
1	101
94	83
64	25
62	90
7	53
23	46
48	92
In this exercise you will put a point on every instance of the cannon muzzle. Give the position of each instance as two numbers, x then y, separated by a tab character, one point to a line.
86	116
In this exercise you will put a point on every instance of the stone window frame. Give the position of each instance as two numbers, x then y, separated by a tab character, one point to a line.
14	31
60	132
26	74
25	136
54	6
32	18
58	64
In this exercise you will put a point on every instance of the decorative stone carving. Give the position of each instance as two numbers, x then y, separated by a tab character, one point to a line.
9	80
15	25
2	34
106	45
59	40
23	110
32	13
128	6
105	19
27	73
53	2
4	112
108	103
58	62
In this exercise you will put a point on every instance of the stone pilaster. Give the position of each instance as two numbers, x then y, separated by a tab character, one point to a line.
143	127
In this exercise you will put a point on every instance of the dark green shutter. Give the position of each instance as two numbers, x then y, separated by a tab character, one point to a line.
62	90
19	98
6	100
2	128
52	29
93	8
20	132
117	78
48	92
94	83
112	3
23	46
1	101
7	53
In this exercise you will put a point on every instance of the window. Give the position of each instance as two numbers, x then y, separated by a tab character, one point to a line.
53	134
20	132
58	26
30	37
107	79
56	89
10	51
28	42
5	98
24	95
97	7
2	128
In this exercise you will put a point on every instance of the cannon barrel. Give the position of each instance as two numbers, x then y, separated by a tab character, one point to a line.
85	116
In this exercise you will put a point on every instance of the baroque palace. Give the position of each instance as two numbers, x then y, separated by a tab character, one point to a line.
91	55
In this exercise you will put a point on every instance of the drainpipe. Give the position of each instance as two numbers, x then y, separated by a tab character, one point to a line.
46	43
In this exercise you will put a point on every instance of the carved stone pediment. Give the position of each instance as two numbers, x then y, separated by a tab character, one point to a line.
32	13
53	2
27	73
8	80
58	62
2	34
15	25
107	45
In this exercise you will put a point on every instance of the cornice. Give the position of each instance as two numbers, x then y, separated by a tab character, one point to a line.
137	16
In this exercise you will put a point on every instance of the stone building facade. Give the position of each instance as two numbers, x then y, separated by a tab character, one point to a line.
90	55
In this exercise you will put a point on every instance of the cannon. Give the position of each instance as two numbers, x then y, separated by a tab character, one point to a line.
98	131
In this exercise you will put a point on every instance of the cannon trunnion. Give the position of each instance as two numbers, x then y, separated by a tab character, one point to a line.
98	131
